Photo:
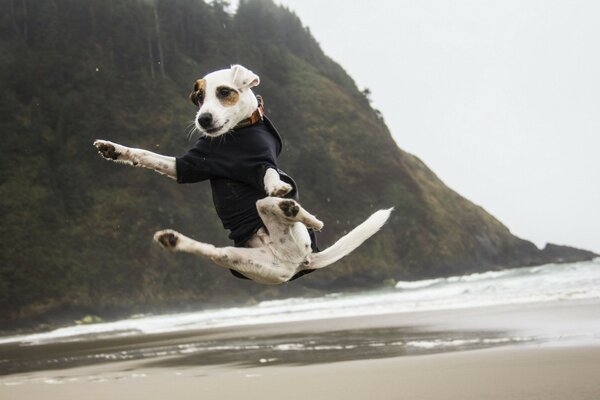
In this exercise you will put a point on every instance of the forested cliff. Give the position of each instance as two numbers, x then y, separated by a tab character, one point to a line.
76	231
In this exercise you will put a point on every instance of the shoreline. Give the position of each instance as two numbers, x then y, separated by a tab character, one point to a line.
545	350
517	334
321	341
40	324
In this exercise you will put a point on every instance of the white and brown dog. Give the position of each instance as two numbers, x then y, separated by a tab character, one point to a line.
237	152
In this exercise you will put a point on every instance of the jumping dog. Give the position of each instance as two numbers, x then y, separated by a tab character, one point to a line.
237	152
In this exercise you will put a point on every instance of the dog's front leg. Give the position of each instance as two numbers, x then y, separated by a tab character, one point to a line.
274	186
137	157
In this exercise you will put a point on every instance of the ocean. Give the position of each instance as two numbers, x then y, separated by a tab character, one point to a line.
532	305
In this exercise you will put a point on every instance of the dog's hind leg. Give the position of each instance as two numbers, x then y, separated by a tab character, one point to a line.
286	222
175	241
257	264
287	210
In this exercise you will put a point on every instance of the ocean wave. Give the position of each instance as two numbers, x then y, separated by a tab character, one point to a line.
552	282
409	285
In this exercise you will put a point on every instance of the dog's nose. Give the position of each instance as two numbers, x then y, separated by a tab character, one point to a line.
205	120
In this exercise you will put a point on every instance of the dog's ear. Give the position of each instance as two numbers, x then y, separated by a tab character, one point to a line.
194	98
244	78
197	95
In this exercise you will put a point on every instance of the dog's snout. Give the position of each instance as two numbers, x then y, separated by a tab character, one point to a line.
205	120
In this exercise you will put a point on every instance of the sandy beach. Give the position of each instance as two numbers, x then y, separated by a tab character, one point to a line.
508	373
524	334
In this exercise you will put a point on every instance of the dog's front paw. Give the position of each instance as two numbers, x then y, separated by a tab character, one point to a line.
167	238
111	151
317	225
107	149
280	189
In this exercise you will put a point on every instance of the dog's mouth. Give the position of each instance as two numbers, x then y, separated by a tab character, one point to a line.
212	131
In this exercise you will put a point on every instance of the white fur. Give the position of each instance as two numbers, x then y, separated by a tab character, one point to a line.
274	186
139	158
352	240
226	117
275	254
243	78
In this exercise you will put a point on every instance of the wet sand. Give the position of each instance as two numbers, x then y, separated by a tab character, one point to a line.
507	373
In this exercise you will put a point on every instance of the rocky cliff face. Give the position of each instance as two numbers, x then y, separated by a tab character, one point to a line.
76	231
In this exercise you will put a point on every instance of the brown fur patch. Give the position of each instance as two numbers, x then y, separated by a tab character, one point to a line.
197	95
227	96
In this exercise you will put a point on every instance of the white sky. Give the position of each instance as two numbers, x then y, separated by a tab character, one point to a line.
500	98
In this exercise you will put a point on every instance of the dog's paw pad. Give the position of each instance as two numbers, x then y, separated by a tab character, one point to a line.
107	150
290	208
167	239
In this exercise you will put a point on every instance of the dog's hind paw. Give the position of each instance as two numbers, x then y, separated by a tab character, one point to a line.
167	239
290	208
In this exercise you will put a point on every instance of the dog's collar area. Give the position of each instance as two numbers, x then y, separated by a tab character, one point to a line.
256	116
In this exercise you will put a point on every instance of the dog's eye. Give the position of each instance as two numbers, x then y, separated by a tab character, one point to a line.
224	92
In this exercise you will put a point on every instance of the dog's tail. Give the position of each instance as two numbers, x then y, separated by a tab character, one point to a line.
350	241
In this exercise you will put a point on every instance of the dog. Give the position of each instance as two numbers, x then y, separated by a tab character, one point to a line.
237	151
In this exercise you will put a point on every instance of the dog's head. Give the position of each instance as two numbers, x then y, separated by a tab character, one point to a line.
224	98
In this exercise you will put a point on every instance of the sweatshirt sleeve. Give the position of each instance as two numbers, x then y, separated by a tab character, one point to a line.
244	158
192	167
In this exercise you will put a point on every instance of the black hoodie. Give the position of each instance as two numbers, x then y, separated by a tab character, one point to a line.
235	163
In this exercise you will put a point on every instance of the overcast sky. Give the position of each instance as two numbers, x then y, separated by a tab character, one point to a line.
500	98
